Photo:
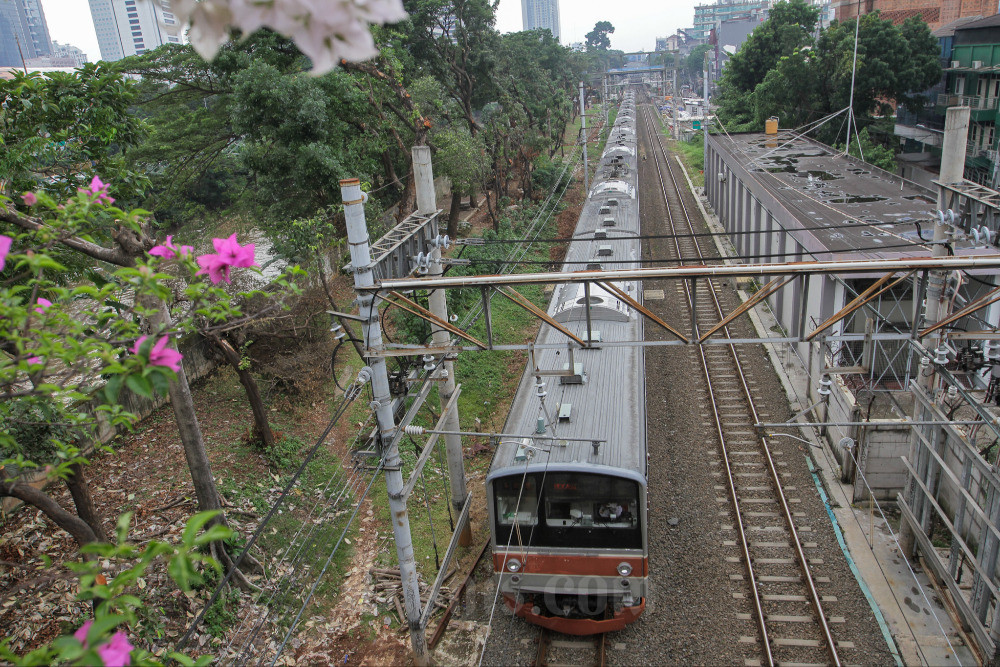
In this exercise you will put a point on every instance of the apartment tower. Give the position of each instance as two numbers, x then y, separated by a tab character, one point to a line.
541	15
132	27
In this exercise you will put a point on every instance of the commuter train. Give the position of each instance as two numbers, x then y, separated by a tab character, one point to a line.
567	499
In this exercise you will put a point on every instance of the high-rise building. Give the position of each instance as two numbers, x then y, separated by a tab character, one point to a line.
24	34
132	27
707	16
541	15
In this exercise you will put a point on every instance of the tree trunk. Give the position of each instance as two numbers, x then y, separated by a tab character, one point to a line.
454	212
472	197
262	426
79	488
189	430
493	214
74	525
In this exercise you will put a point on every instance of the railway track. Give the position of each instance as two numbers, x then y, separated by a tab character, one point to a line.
773	575
556	650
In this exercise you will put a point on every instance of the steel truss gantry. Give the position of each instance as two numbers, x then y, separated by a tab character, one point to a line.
891	273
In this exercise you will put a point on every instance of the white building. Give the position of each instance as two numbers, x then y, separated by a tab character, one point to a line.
541	15
132	27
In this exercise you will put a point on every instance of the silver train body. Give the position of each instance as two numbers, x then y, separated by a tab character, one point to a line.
568	516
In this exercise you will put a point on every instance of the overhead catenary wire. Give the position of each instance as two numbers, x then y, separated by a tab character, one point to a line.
247	648
345	403
645	237
280	586
326	565
681	261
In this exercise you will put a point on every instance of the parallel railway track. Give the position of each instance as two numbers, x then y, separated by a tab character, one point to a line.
781	590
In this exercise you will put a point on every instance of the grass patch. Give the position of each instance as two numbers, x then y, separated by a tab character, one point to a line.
692	153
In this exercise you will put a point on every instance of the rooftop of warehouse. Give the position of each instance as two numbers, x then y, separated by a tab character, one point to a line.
844	205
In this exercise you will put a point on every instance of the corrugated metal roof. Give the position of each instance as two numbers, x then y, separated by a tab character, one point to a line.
609	404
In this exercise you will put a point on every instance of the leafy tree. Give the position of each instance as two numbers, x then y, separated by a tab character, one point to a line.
456	41
694	64
597	39
781	72
462	158
57	131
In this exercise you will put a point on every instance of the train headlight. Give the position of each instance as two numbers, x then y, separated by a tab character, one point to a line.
624	569
514	565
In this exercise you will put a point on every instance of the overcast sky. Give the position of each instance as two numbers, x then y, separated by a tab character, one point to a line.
637	22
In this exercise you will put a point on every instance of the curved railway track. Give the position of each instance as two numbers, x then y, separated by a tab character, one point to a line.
783	594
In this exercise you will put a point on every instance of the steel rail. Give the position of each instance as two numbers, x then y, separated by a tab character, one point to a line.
724	452
765	447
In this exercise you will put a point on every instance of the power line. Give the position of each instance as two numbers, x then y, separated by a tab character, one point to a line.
346	401
647	262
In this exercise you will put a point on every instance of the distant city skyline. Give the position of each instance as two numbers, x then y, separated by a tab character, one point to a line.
637	22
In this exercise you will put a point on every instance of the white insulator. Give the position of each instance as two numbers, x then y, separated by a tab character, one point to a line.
413	430
952	392
941	357
825	384
364	375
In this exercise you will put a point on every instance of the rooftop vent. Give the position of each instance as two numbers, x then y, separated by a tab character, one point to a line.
605	210
605	251
609	222
595	266
564	411
601	233
612	202
576	378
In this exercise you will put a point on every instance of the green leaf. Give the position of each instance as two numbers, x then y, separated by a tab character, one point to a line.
195	524
214	534
113	387
140	385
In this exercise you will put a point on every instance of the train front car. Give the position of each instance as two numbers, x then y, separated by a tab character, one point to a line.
567	499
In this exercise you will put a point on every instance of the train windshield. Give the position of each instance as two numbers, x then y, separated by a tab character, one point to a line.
568	509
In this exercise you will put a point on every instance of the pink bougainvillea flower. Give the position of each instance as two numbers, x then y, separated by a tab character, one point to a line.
34	360
5	242
99	188
29	198
168	250
160	354
81	634
229	253
116	653
42	304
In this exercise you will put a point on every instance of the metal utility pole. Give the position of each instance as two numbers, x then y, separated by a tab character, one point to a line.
705	113
583	119
361	263
607	106
674	100
956	130
423	172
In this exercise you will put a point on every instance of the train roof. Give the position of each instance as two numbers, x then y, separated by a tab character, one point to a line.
604	398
